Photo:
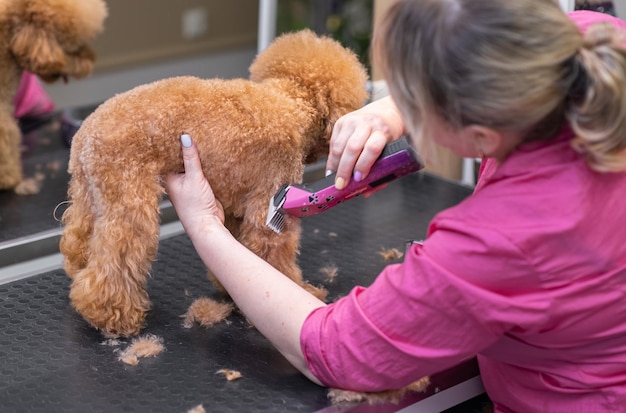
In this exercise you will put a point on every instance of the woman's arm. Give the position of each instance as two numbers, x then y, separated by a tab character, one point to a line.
273	303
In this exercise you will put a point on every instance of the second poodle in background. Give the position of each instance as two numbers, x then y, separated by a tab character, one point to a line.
51	39
252	134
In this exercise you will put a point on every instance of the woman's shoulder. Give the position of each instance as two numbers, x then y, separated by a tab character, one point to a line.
585	18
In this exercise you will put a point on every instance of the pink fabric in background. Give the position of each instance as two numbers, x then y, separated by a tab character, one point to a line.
31	99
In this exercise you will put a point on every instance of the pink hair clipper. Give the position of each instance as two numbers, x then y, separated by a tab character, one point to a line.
398	159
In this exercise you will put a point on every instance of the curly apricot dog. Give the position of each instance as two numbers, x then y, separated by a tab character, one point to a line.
253	135
50	39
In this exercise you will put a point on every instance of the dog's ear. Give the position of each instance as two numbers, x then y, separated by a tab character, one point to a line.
321	137
330	110
37	50
80	64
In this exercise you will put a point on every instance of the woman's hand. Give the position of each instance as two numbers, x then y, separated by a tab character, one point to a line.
359	138
191	193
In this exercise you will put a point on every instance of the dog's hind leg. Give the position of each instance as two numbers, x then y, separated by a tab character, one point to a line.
110	291
78	220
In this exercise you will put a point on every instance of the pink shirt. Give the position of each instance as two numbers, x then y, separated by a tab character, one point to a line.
529	273
31	99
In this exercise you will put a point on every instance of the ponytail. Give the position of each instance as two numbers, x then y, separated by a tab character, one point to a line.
596	106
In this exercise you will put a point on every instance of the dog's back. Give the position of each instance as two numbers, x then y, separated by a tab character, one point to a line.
243	130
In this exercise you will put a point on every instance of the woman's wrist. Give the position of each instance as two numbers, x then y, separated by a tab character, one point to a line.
386	118
390	113
204	226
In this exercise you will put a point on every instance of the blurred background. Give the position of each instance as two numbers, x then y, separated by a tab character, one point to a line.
147	40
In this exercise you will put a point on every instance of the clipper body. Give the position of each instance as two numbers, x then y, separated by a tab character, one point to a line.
398	159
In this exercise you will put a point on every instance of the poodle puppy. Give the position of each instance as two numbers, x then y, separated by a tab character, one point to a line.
48	38
252	134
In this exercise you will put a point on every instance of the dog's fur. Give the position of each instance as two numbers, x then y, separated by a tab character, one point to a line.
252	134
49	38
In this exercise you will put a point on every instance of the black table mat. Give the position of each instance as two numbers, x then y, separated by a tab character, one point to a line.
53	362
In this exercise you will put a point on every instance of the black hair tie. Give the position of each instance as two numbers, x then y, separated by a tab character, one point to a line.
579	81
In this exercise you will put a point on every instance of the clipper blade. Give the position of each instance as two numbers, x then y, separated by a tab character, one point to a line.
275	218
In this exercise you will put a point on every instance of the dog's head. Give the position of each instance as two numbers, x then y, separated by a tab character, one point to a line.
321	71
51	38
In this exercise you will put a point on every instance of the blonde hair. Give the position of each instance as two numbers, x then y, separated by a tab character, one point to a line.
518	66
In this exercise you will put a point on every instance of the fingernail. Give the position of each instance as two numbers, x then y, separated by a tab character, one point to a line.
328	172
340	183
185	140
358	176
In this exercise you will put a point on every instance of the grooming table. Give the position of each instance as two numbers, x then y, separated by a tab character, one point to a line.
52	361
